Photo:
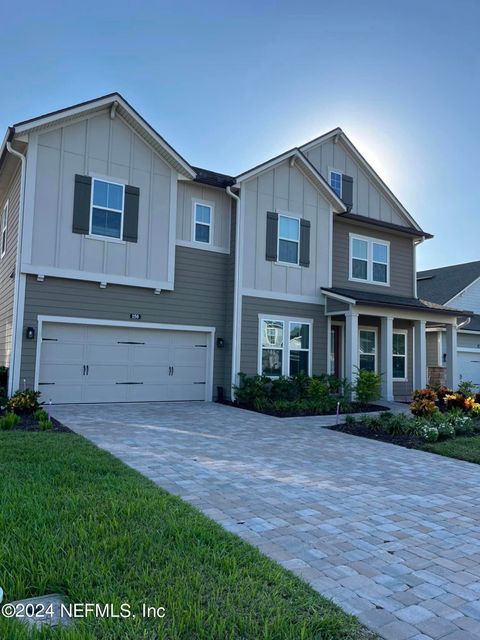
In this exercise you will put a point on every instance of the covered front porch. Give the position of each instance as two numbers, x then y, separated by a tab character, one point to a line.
387	334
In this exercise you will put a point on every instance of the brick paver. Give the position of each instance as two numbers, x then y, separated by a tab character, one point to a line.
390	534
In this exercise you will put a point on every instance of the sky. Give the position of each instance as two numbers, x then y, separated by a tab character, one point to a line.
230	85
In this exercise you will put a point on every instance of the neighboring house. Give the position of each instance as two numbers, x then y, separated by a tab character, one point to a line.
127	274
456	285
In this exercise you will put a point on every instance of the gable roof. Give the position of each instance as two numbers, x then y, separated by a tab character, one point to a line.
307	168
442	284
379	183
116	103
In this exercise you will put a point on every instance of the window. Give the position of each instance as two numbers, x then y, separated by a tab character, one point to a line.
399	355
203	222
336	182
288	239
369	260
107	209
368	349
3	230
285	347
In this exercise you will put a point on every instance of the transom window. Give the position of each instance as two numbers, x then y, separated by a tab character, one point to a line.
284	348
203	222
368	349
3	228
107	209
399	355
288	239
336	182
369	260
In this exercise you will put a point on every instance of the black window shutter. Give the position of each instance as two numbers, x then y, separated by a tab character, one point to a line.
272	236
347	191
81	204
130	214
304	243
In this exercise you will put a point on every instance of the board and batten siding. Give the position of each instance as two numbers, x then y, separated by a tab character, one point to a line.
286	190
368	200
252	307
7	267
468	299
188	193
401	260
198	299
104	147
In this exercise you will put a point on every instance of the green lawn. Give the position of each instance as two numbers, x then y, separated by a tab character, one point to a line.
463	448
75	520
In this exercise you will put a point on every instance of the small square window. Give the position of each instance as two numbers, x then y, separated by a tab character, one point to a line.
203	223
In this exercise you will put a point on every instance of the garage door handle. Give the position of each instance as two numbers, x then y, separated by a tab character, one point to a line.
84	367
88	366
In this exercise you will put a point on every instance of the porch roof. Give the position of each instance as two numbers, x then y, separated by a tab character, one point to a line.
374	299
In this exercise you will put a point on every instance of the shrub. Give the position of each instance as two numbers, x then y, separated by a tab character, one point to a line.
429	433
461	424
442	392
367	386
466	387
40	415
374	423
423	407
8	421
425	394
469	403
44	425
350	421
445	430
251	389
24	402
453	400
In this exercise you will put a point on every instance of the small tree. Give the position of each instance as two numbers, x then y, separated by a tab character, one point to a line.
367	386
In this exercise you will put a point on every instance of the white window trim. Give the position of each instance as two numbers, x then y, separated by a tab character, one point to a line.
98	236
403	332
341	174
211	206
370	261
287	214
286	343
4	229
375	355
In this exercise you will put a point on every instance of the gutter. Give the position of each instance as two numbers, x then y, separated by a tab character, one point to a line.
237	302
415	244
15	323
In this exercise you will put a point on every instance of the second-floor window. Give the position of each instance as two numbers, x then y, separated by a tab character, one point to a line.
336	182
202	223
288	239
369	260
3	229
107	209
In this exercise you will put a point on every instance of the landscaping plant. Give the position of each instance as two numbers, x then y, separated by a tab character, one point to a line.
9	421
24	402
367	386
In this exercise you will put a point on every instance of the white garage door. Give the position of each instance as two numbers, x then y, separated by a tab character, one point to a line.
469	366
86	363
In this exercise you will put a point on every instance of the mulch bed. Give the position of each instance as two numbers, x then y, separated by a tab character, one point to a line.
411	442
28	423
355	408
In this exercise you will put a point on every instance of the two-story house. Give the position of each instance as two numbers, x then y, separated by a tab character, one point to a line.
126	274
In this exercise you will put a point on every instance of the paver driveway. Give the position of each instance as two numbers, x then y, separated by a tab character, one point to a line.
390	534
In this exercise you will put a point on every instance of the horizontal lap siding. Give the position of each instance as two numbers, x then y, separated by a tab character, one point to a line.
7	268
432	349
252	307
199	299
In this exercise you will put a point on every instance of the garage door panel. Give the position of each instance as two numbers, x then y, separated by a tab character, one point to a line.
190	355
65	332
62	352
189	374
113	373
56	372
150	355
60	392
106	392
149	374
114	353
469	366
186	392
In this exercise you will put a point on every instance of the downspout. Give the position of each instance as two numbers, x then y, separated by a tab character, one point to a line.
464	323
415	244
236	328
18	261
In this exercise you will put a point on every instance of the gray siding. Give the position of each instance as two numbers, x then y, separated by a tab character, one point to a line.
251	307
335	305
432	349
401	260
7	267
199	299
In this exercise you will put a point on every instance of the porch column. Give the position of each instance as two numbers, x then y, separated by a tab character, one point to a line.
452	371
351	346
420	354
386	360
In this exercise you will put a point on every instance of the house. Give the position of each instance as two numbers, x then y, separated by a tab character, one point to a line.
126	274
455	285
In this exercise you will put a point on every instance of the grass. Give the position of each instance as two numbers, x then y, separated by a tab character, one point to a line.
462	448
75	520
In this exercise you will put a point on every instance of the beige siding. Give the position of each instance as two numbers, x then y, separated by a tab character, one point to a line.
252	307
432	349
199	299
7	267
284	189
188	193
401	260
368	199
106	148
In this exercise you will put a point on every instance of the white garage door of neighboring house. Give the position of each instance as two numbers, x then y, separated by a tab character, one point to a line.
88	363
469	365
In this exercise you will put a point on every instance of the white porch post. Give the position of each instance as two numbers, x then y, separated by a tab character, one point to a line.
420	354
386	360
452	371
351	346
